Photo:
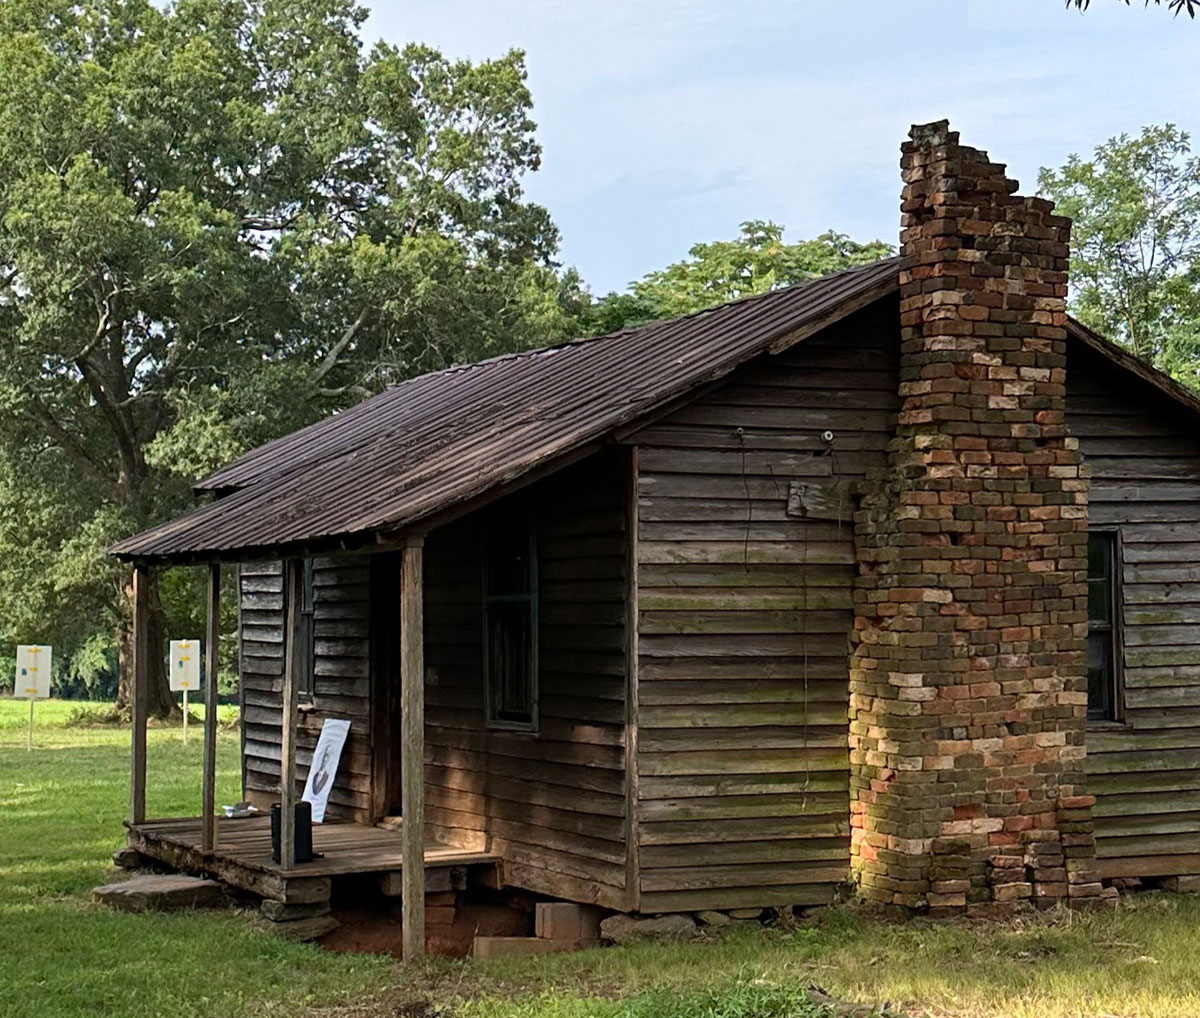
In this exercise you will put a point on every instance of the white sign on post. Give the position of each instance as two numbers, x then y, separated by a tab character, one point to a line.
324	765
185	672
33	671
185	665
32	678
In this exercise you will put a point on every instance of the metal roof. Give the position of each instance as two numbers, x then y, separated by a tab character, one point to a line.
445	438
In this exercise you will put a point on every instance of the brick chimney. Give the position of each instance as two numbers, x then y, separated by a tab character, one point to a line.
967	691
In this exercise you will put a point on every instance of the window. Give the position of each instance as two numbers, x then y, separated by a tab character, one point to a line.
305	680
1103	657
510	620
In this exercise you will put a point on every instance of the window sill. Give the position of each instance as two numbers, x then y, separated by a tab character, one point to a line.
514	728
1109	726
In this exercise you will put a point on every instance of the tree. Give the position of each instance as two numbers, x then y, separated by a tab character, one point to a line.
1191	6
219	220
714	273
1135	244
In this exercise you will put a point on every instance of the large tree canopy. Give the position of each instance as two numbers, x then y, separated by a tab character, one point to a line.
1135	244
220	219
756	261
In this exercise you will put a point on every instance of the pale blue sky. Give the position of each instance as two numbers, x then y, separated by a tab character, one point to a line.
666	122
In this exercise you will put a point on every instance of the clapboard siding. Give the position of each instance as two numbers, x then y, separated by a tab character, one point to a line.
552	802
341	679
744	614
1145	463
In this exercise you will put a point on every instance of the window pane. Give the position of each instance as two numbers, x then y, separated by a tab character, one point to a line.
510	660
305	680
307	598
1100	676
1101	644
1099	556
507	546
1100	600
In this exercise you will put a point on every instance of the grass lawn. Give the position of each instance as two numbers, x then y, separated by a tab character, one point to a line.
60	817
61	808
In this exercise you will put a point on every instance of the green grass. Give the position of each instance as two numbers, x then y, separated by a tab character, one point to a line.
61	808
1142	961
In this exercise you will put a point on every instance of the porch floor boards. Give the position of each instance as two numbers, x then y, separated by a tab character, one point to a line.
243	853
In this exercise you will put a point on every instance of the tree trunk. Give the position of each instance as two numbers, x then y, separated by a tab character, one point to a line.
160	701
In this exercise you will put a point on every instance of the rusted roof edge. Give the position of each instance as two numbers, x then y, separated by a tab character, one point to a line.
1117	354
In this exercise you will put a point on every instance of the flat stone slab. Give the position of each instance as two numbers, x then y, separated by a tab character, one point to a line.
161	893
621	929
313	928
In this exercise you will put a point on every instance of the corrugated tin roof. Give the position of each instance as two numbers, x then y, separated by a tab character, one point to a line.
452	436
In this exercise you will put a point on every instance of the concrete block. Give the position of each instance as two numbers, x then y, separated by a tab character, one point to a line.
510	947
1182	885
562	920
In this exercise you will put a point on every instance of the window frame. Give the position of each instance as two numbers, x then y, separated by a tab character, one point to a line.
530	599
306	680
1116	713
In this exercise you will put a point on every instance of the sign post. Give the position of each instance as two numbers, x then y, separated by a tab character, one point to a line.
32	677
185	672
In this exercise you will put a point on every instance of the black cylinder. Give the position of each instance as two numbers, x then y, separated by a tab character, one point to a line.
304	845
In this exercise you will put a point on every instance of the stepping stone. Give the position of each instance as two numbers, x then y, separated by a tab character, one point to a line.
161	893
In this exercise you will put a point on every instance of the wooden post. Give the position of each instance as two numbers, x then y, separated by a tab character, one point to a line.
293	597
139	674
212	638
412	747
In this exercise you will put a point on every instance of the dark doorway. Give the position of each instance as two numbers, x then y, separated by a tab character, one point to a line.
385	683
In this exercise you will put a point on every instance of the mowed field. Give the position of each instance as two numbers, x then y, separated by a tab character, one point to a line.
61	807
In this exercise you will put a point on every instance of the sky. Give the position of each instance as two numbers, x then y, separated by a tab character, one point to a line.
668	122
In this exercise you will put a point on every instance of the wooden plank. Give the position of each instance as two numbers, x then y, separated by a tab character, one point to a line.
632	710
212	639
139	679
412	759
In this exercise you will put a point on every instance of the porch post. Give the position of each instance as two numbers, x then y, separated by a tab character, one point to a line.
293	595
412	748
139	673
212	637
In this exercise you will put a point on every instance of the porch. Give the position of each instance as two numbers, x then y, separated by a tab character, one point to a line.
242	857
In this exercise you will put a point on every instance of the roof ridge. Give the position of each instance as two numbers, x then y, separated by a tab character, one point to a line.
656	323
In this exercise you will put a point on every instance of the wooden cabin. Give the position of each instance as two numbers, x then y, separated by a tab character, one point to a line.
592	610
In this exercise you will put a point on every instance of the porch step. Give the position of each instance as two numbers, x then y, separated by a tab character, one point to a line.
161	893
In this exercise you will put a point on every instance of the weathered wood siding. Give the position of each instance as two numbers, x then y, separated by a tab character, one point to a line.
744	615
552	802
1145	773
341	679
